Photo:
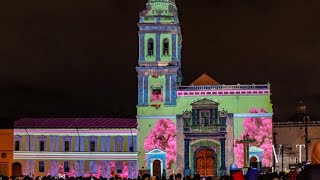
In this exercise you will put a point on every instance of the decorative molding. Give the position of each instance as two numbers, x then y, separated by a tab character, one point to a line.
156	117
73	132
160	70
158	27
252	115
18	155
222	92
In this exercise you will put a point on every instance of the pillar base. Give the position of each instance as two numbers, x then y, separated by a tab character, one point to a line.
223	171
187	172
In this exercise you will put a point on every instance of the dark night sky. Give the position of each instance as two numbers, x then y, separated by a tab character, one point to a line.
78	58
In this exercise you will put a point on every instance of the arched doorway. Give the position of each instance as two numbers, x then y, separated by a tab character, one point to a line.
205	162
16	169
156	168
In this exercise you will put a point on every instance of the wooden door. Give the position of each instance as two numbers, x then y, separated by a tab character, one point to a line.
16	169
156	168
205	163
4	169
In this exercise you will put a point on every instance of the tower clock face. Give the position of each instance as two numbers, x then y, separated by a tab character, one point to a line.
3	155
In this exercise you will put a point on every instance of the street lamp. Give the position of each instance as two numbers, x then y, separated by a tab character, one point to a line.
302	109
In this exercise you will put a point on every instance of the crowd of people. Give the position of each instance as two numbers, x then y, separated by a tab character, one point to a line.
309	172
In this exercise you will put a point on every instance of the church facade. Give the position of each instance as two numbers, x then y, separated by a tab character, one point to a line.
209	117
178	129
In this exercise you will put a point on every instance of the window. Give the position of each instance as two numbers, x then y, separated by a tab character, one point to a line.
66	167
119	167
41	166
93	167
150	47
156	94
118	144
118	148
41	145
204	118
17	145
66	146
17	142
166	47
92	146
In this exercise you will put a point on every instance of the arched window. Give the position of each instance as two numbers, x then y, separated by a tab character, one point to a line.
66	167
166	47
41	166
150	47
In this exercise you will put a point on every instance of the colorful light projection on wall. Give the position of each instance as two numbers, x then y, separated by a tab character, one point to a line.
260	129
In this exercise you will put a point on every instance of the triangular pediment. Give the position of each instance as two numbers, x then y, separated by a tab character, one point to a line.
203	80
205	101
156	151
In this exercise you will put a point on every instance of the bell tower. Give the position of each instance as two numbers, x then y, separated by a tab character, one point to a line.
159	67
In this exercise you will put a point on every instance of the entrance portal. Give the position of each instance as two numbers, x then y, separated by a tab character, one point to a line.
205	162
156	168
16	169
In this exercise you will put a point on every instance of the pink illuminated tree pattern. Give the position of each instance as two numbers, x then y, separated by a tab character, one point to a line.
124	173
163	136
259	129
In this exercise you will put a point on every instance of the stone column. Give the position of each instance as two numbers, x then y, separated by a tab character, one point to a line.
223	168
174	46
167	90
82	168
108	170
103	168
173	89
130	172
187	171
140	90
158	43
136	169
141	46
145	90
76	167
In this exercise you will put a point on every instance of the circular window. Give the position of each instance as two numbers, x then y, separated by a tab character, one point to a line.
3	155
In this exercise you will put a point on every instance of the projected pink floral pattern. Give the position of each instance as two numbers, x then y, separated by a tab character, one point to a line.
261	130
163	136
